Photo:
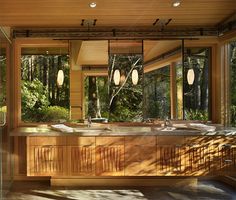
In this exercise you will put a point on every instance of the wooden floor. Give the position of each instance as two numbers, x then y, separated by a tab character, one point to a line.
42	191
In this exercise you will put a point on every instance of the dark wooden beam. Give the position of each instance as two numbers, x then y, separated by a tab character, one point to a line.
114	33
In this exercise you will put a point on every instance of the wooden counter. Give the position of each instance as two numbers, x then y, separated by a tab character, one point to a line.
70	156
131	156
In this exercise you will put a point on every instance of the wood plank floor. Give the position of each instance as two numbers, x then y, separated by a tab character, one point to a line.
206	190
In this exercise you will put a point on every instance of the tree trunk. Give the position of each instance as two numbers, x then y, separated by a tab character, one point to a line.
45	63
28	70
58	90
53	80
204	88
92	97
98	114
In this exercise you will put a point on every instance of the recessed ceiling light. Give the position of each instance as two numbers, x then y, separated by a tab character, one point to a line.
92	5
176	4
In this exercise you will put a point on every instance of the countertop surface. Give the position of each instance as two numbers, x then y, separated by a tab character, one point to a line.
123	131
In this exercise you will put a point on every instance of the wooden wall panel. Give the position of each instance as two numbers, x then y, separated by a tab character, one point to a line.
199	159
81	154
140	156
224	155
76	82
82	160
170	155
110	156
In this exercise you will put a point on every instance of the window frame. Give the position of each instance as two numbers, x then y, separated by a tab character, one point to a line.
18	44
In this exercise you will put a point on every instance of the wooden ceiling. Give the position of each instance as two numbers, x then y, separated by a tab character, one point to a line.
69	13
93	53
154	49
96	52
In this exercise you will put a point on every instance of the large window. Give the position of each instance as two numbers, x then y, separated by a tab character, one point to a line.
232	62
179	90
41	98
157	93
3	80
197	95
96	97
125	98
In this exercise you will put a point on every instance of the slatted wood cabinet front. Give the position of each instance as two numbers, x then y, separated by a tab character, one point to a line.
131	156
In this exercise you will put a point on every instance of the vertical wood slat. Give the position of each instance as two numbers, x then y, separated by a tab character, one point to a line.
110	160
48	160
82	159
170	159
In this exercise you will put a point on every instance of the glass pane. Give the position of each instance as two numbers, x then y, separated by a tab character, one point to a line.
163	79
157	93
197	94
125	98
232	62
96	97
42	98
6	167
179	90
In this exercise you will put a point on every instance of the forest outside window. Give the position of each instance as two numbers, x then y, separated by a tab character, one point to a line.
157	93
41	99
96	98
3	63
232	63
197	96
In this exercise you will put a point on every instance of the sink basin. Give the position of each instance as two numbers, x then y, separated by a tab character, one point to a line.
91	129
176	129
136	129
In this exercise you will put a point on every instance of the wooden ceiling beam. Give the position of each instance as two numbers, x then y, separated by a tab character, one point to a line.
114	33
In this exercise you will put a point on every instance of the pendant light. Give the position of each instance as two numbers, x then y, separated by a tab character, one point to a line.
190	76
116	77
60	78
135	76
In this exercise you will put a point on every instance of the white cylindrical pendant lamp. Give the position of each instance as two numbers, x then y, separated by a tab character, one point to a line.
116	77
190	76
60	78
135	76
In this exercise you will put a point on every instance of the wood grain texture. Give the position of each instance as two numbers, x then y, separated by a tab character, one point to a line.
113	12
131	156
140	156
82	160
170	156
110	156
199	157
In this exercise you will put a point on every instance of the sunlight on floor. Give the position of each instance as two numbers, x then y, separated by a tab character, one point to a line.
91	194
205	190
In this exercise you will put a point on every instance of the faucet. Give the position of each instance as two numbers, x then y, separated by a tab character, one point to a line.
167	122
89	121
147	120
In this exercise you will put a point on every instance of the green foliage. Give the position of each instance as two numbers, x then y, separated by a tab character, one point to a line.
197	95
39	87
157	93
233	115
34	100
55	114
3	77
196	115
127	104
233	82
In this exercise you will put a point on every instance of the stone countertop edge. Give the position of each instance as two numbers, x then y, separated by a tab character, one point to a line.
25	131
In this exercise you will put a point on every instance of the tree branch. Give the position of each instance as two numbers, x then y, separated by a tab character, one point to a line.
113	96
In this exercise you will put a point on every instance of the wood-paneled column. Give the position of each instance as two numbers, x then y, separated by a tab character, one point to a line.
76	82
